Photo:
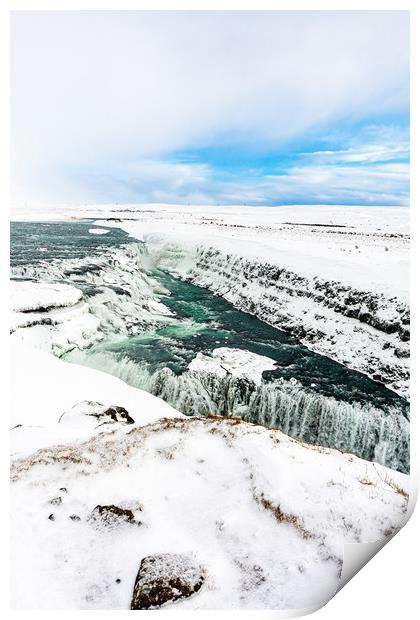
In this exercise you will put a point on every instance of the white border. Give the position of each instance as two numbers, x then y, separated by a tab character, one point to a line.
387	586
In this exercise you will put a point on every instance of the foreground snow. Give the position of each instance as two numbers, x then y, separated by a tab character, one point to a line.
265	515
53	387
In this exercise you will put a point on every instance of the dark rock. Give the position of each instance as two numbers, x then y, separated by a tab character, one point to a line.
96	414
56	501
401	353
404	335
75	517
119	414
111	515
51	517
377	377
165	578
63	490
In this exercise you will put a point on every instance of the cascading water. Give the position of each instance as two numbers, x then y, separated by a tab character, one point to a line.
155	325
363	430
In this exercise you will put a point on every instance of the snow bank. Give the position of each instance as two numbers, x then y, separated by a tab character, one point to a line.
44	388
52	317
224	362
98	231
29	296
119	299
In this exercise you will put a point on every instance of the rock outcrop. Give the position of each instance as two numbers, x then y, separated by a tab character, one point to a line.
165	578
95	414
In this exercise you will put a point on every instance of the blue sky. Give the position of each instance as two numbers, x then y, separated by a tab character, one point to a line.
210	107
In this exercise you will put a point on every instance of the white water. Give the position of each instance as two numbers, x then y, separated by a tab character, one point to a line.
362	430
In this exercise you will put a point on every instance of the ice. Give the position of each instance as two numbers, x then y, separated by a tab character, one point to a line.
53	314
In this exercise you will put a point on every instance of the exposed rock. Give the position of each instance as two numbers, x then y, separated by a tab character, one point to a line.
165	578
111	515
56	501
119	414
94	414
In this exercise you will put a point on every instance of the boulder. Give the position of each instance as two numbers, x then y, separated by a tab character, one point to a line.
111	515
165	578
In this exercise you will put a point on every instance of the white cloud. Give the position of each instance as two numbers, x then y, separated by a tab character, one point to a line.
367	153
378	184
99	89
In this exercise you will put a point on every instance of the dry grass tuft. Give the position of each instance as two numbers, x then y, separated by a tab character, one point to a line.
283	517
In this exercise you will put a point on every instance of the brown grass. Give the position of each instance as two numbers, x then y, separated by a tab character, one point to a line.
283	517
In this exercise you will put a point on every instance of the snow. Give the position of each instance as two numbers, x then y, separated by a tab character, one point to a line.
282	236
224	361
53	387
52	317
364	247
27	296
98	231
55	316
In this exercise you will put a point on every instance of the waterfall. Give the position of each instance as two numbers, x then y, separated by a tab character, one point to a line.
363	430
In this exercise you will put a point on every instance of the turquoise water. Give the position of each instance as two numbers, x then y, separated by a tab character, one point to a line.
34	242
206	322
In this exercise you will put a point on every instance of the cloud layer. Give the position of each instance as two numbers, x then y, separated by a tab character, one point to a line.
103	102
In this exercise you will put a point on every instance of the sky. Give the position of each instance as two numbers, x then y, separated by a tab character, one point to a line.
261	108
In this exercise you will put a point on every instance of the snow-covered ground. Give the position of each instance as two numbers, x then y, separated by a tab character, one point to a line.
364	247
53	387
264	515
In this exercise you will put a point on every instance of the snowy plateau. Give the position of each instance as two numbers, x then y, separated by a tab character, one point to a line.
115	491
